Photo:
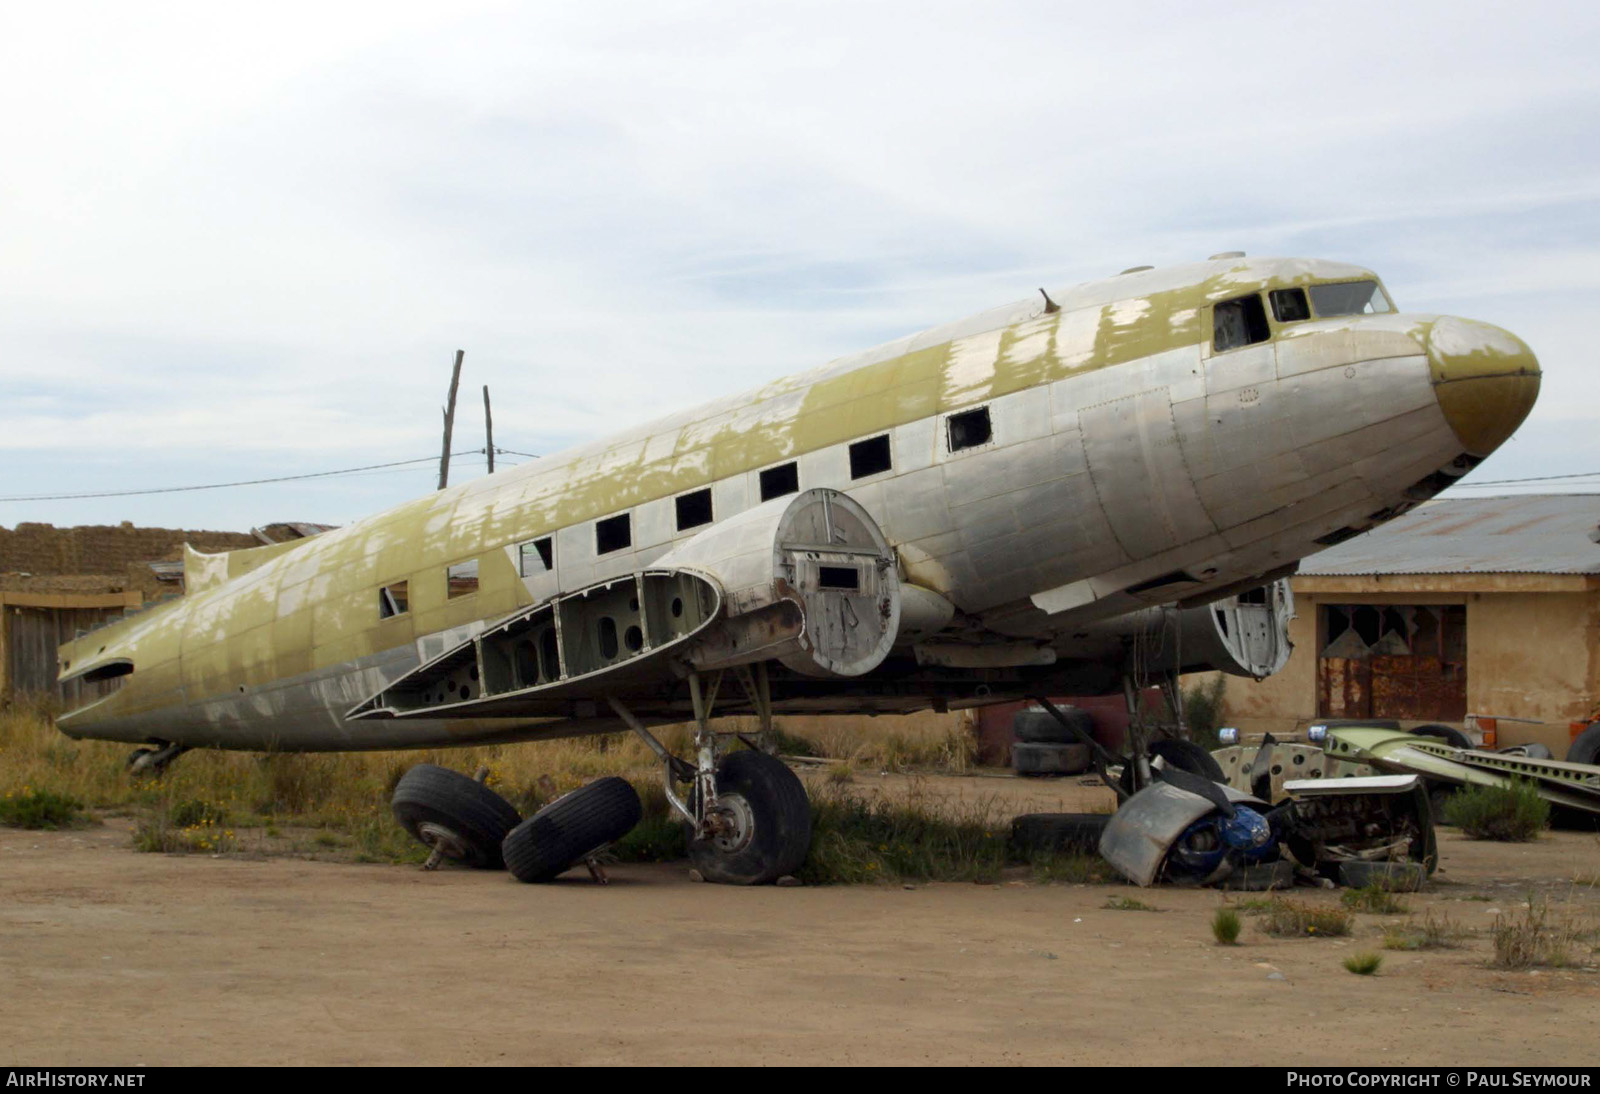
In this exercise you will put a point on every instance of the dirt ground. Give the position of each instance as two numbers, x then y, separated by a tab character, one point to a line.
111	957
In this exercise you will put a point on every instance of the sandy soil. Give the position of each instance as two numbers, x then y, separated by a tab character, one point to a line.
111	957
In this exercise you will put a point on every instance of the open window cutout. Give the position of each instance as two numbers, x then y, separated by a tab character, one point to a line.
969	429
393	600
694	509
1290	305
1241	322
613	534
780	480
535	558
847	578
461	579
870	457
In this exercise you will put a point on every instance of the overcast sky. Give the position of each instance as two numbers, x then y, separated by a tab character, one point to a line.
240	241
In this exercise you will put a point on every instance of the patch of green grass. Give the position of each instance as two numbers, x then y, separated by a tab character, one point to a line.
1304	919
855	840
1254	905
1129	904
158	834
1225	926
1431	934
40	809
196	811
1373	899
1059	867
1515	813
1364	964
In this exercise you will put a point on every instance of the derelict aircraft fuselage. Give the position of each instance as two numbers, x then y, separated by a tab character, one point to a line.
1019	503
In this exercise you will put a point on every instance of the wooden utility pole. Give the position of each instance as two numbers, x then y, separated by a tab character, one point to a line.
450	421
488	428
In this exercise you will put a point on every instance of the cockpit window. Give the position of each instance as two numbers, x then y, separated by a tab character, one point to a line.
1349	298
1241	322
1289	305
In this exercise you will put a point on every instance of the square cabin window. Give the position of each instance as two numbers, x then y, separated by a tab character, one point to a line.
1290	305
537	557
969	429
694	509
393	601
461	579
870	457
1241	322
780	480
613	534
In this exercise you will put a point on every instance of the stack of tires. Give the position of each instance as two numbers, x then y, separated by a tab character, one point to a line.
1043	746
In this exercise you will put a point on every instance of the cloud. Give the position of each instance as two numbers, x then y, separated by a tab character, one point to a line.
239	243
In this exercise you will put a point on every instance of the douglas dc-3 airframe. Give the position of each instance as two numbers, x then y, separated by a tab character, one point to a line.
1039	500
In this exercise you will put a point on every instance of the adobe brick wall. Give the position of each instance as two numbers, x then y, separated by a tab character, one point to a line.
45	550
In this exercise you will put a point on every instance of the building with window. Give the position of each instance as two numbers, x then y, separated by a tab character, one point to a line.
1482	605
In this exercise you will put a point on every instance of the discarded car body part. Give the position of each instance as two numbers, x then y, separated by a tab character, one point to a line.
1377	818
570	829
765	828
821	552
1142	832
454	815
1263	770
582	643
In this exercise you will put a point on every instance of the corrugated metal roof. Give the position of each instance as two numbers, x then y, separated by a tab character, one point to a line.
1520	534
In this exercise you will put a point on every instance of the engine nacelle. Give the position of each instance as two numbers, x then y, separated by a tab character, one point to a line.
808	580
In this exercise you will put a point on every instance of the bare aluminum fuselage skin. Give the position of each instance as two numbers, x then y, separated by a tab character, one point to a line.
1129	466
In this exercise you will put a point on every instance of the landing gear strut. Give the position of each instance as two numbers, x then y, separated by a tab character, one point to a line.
153	762
748	817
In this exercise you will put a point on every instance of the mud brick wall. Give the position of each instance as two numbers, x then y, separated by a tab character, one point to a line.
45	550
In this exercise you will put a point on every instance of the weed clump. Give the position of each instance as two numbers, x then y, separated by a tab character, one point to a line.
1431	934
1225	925
1129	904
40	809
1515	813
1533	938
1304	919
1373	899
1363	964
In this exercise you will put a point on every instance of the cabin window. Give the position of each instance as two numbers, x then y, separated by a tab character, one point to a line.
780	480
1349	298
1289	305
536	558
1241	322
869	457
694	509
969	429
613	534
461	579
392	600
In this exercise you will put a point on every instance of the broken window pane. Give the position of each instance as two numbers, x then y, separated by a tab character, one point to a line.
869	457
1241	322
613	534
1289	305
694	509
536	558
392	600
780	480
1349	298
461	579
969	429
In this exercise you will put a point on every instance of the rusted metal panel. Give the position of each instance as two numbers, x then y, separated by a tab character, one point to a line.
1393	661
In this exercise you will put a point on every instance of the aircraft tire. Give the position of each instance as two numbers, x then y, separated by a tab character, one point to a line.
548	843
1452	737
1585	747
1064	833
1049	759
775	816
455	814
1039	727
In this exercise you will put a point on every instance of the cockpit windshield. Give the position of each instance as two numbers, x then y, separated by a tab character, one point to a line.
1349	298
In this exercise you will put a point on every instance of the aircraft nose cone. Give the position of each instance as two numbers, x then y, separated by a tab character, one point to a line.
1486	380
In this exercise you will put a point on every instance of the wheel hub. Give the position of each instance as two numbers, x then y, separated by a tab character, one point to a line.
735	823
444	840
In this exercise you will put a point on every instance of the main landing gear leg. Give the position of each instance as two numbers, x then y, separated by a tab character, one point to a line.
748	816
153	762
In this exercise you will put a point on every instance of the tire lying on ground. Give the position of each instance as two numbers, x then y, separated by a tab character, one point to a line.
548	843
1063	833
1260	878
1452	737
1038	726
1049	759
455	815
1585	748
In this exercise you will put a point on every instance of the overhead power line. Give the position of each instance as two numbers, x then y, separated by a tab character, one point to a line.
242	482
1534	478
